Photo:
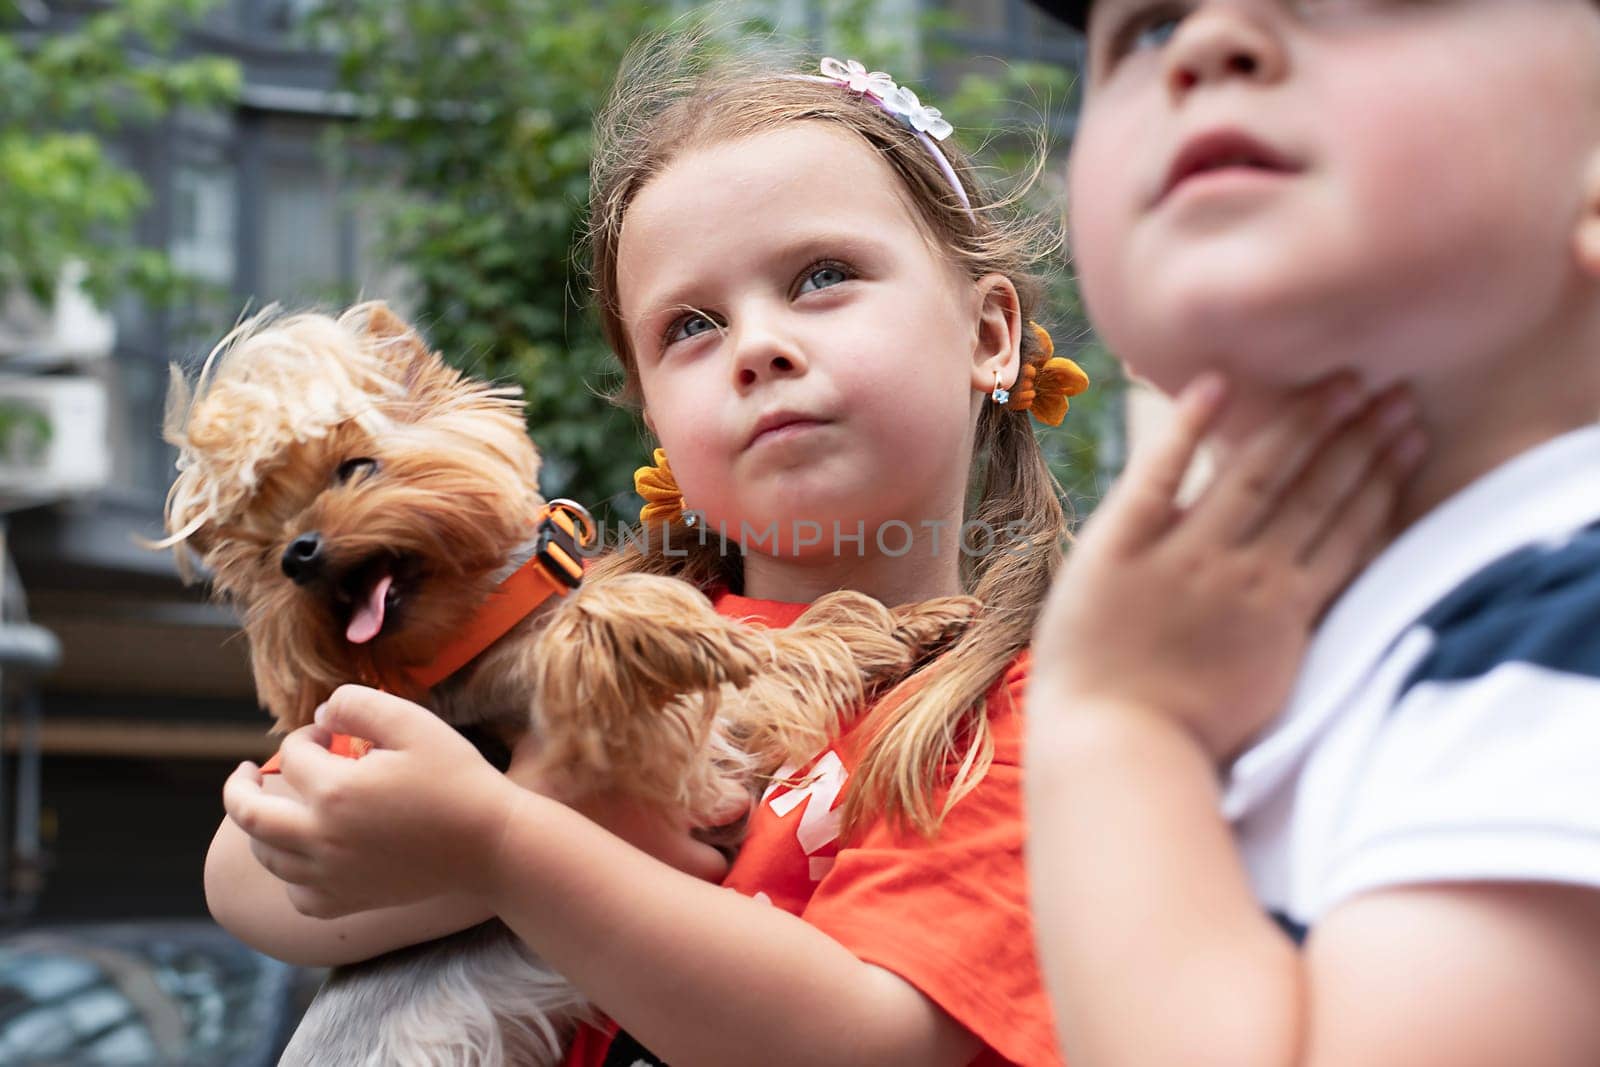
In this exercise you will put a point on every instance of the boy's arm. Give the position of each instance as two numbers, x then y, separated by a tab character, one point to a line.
1157	952
1160	653
253	905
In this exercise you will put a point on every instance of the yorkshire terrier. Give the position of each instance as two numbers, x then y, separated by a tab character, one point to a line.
364	505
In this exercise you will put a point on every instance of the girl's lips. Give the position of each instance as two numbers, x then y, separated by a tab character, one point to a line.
778	424
784	431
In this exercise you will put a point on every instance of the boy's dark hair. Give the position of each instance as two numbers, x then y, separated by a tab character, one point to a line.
1074	13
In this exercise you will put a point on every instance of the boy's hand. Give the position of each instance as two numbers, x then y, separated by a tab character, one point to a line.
1202	614
420	815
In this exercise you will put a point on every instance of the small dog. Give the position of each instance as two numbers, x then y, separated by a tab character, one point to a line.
364	504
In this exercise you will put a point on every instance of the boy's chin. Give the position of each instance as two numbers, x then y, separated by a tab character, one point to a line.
1265	346
1249	365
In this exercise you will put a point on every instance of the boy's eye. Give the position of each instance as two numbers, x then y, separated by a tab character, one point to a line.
689	326
1144	28
1157	32
822	276
351	468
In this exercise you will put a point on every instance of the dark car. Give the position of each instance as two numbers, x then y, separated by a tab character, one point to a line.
174	994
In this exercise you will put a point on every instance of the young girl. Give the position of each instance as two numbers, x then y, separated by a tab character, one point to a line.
825	322
1404	868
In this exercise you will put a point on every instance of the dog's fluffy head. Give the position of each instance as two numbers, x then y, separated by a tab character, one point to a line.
351	492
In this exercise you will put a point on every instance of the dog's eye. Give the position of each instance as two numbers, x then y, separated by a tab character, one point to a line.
352	467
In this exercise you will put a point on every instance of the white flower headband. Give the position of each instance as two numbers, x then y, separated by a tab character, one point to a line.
927	123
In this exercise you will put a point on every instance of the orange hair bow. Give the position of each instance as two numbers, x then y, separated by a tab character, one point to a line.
663	500
1046	384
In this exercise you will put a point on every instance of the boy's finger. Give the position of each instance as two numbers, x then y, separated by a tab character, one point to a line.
1248	488
1145	496
1348	543
1316	502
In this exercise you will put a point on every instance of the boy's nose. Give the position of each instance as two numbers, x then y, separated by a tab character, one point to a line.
1219	42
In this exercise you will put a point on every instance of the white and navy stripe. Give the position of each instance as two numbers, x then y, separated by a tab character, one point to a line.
1446	724
1539	606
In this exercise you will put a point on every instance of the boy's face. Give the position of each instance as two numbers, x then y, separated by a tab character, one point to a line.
1283	188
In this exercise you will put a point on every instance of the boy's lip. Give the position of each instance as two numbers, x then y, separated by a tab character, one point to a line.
1224	149
777	420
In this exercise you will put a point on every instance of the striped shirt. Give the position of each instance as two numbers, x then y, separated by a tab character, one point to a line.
1446	723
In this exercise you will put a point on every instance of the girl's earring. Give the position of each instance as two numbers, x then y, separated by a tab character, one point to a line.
1001	394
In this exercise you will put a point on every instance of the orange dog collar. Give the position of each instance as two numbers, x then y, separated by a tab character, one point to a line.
554	569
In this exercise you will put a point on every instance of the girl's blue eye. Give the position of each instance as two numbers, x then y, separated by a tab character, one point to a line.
690	326
822	277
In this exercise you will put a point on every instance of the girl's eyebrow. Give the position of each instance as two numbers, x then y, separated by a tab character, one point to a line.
843	244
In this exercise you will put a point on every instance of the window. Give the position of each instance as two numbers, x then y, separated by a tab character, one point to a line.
307	236
203	207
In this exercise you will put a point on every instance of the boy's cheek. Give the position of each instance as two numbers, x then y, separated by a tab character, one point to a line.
1098	230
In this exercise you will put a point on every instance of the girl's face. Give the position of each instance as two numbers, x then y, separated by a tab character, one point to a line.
1283	188
805	353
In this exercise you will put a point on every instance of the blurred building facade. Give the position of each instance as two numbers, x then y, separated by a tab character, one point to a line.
152	702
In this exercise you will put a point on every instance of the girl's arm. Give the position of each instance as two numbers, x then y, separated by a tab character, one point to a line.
697	973
1154	947
700	974
253	905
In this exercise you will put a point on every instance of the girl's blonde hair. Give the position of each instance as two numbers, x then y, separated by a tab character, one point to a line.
673	95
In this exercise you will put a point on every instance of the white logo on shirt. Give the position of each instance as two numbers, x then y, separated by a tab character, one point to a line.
819	823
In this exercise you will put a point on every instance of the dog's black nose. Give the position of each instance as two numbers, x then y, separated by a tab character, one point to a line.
302	560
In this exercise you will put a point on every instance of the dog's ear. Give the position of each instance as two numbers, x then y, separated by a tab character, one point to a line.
383	324
404	353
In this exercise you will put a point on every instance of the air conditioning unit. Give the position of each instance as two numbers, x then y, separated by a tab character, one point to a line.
72	331
53	436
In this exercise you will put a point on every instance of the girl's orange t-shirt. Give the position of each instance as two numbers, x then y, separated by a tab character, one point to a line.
949	915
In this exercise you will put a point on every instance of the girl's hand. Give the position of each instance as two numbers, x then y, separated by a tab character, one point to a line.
420	815
666	835
1202	614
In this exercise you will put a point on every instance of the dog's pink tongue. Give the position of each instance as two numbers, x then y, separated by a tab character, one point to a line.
367	621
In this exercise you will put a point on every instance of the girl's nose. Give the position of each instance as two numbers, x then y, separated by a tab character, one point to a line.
1223	41
764	353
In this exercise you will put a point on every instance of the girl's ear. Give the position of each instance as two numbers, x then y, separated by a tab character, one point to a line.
998	343
1586	234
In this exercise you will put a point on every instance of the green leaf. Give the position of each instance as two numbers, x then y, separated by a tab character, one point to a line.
65	199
